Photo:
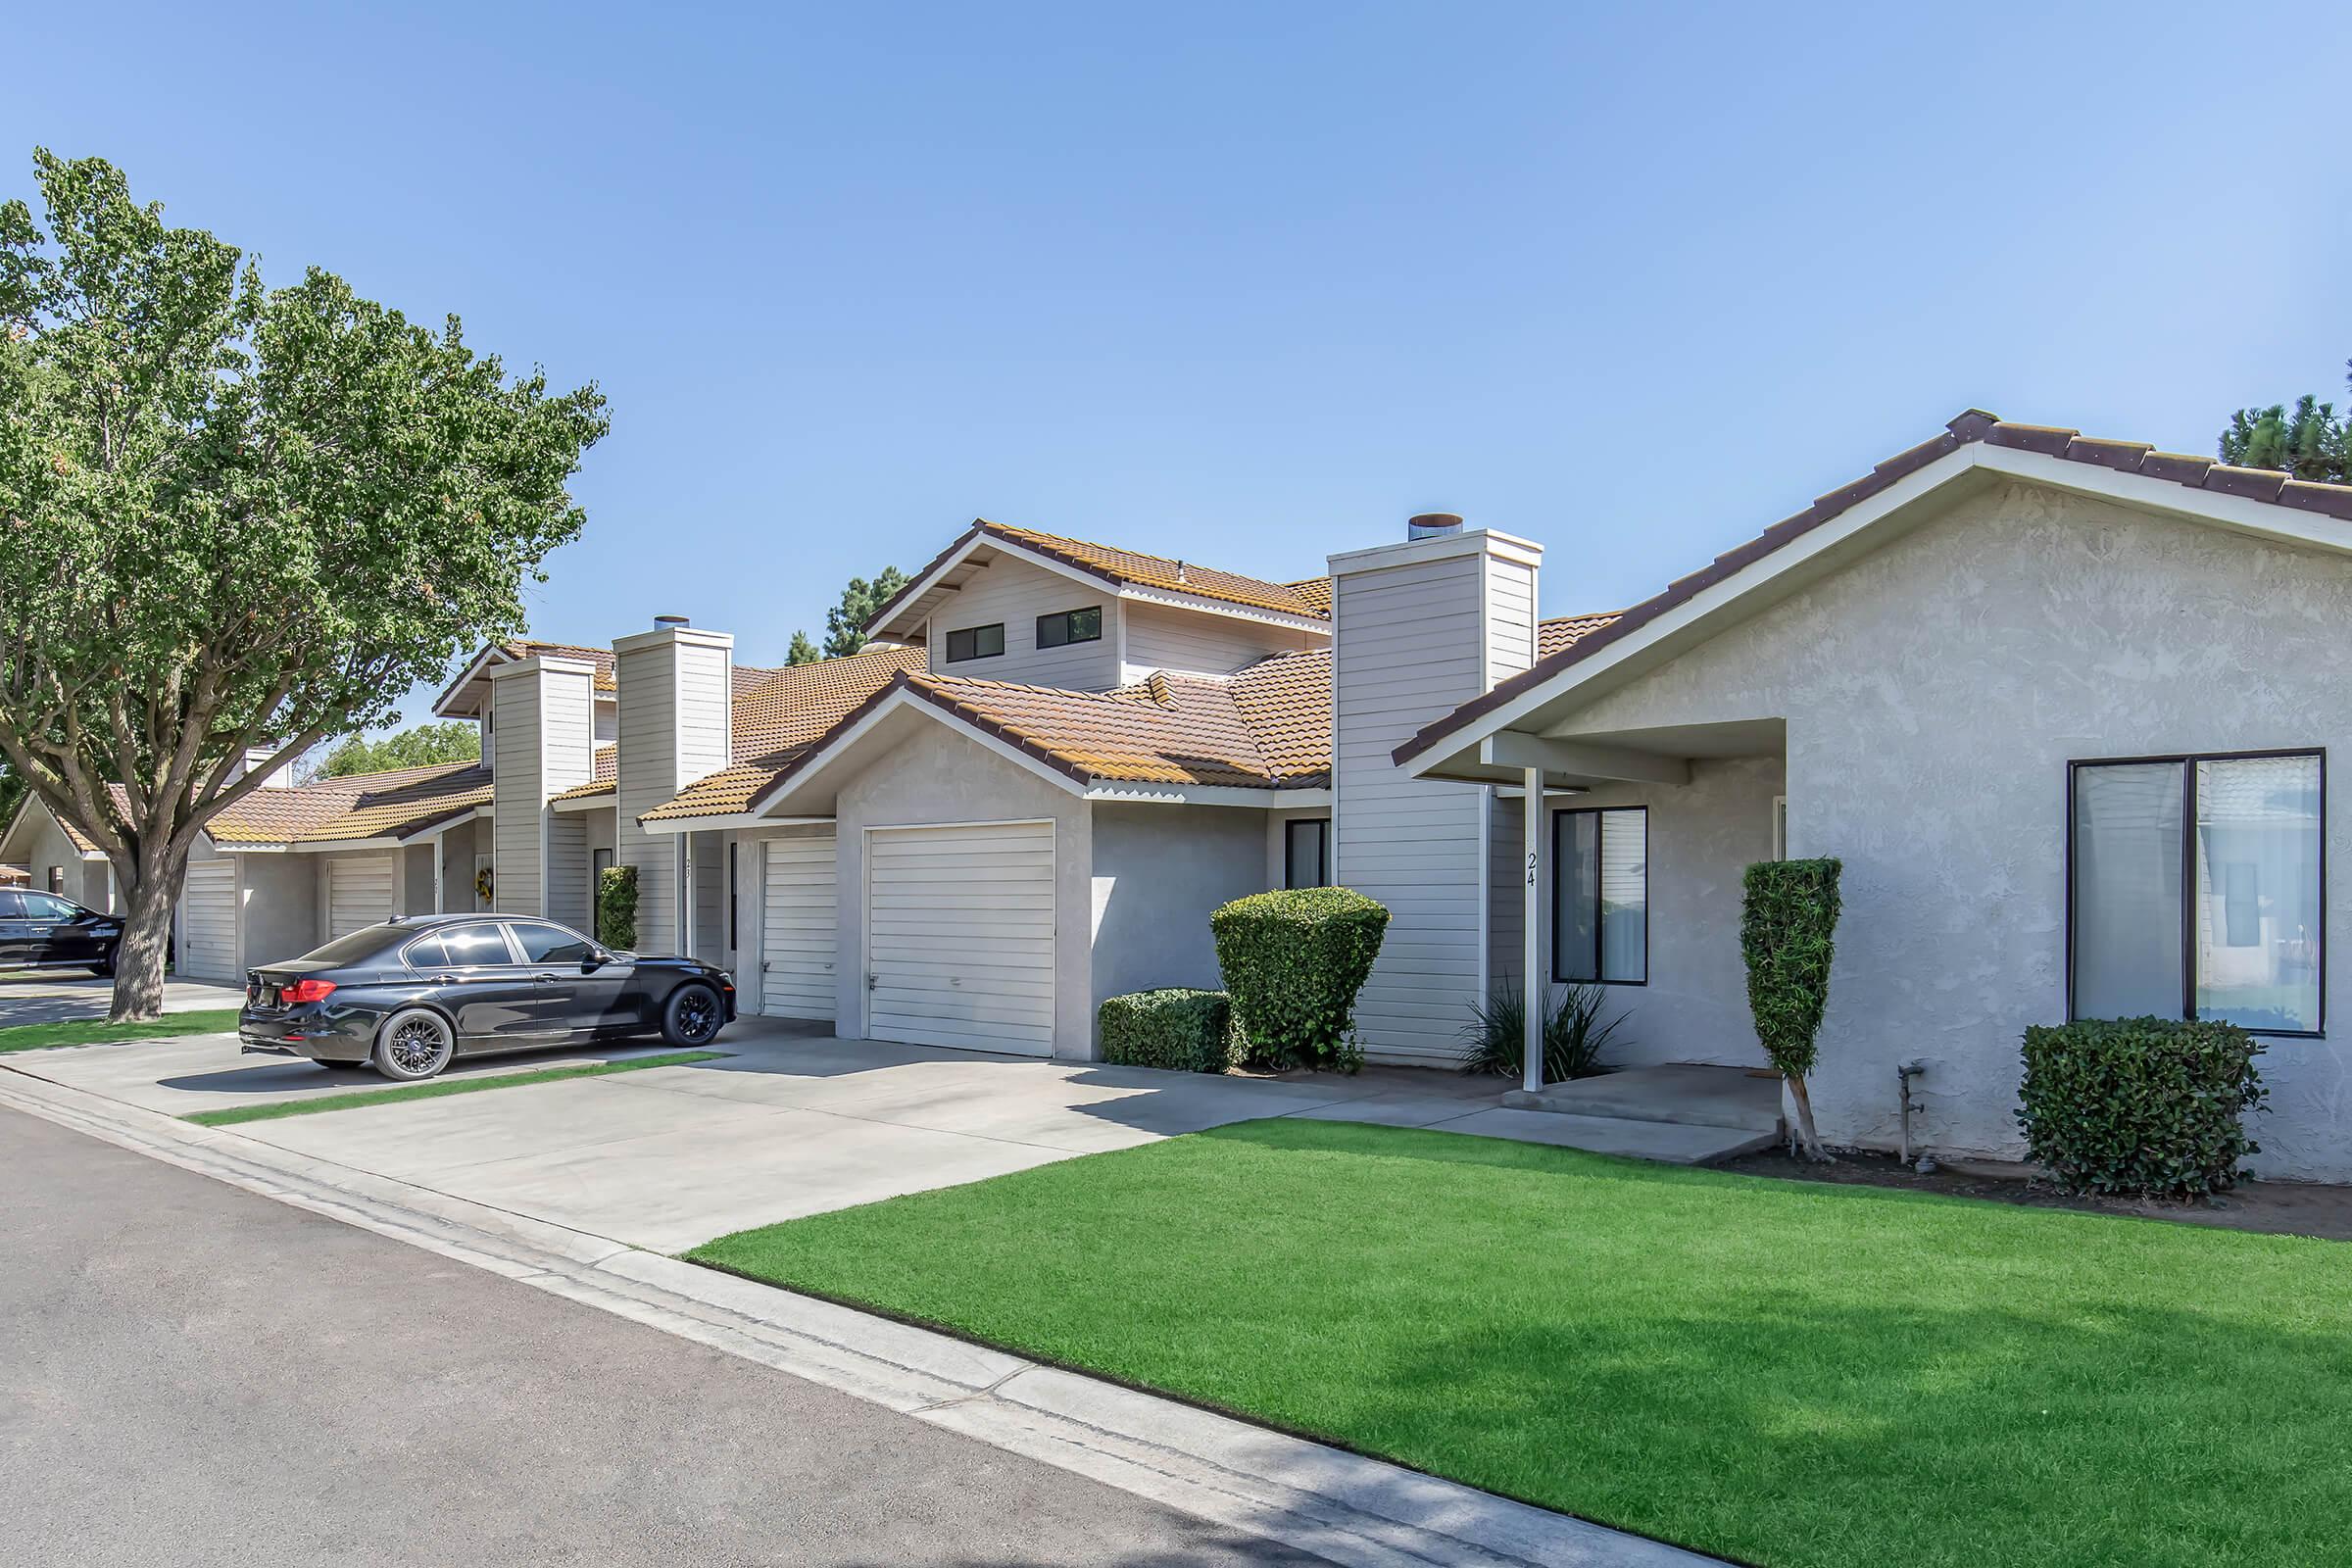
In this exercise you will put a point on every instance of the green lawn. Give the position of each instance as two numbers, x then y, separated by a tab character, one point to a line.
1783	1372
91	1031
440	1087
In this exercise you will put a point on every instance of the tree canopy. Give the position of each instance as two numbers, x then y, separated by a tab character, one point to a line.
845	622
2308	440
803	651
457	741
236	516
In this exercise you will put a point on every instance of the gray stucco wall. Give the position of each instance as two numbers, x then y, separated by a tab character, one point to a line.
1933	693
1160	872
932	776
283	918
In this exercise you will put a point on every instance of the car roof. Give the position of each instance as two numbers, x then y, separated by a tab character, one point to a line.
425	922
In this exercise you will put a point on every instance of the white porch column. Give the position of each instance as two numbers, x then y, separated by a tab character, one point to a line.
1533	985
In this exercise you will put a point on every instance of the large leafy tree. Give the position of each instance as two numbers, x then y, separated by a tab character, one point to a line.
457	741
845	622
2307	440
234	518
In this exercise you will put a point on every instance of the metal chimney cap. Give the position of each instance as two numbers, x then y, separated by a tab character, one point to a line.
665	622
1432	524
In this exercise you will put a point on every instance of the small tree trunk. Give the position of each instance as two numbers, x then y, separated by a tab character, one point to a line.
1807	1139
149	895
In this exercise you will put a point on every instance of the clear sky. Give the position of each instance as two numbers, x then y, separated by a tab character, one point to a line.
1251	283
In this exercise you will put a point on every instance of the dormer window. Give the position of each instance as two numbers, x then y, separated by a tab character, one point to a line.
977	641
1063	628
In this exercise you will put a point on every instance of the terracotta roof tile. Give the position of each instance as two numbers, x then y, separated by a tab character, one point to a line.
600	781
358	806
1565	631
1315	593
1972	425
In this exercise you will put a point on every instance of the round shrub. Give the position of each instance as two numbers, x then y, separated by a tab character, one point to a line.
2141	1105
1185	1031
1293	960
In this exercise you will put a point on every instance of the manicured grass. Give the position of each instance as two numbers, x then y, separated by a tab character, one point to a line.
438	1088
96	1031
1788	1373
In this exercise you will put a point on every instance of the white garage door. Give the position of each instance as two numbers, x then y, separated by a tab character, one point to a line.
359	893
207	921
959	936
797	929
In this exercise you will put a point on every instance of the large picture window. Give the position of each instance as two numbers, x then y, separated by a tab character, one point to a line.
2197	889
1601	895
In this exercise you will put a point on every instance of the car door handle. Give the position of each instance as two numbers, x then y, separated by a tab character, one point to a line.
546	979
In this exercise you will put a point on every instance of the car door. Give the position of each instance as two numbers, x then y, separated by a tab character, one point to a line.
15	951
480	981
580	997
57	932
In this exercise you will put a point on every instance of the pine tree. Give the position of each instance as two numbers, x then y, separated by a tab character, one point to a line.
802	651
845	622
2307	441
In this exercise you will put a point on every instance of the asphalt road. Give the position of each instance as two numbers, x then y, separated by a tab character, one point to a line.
192	1374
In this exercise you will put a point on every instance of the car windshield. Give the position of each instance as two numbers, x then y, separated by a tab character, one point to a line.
351	946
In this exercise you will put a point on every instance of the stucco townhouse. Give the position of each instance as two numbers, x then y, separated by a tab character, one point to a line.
2062	705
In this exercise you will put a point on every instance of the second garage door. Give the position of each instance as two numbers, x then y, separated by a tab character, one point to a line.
959	936
207	921
359	893
797	929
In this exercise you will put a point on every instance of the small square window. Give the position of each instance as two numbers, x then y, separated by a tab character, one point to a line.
1306	853
1067	626
976	642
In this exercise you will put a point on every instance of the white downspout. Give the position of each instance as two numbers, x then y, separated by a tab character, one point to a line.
1533	986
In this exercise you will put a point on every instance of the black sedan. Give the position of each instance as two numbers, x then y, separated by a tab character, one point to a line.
42	931
412	995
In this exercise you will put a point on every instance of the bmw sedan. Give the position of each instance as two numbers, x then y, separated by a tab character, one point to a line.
41	931
411	996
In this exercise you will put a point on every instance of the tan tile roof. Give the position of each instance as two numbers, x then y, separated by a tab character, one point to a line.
780	720
1286	701
1975	425
1564	631
358	806
11	875
1124	567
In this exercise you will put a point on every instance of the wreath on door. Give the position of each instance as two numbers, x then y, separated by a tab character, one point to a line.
481	884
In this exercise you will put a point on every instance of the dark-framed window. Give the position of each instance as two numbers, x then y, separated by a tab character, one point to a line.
976	642
57	880
1306	853
1600	895
2196	887
1066	626
733	892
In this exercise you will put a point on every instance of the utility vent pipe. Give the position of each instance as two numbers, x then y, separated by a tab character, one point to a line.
1432	525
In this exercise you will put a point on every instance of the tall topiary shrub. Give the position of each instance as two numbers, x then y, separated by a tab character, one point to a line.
1788	931
616	907
2147	1105
1293	960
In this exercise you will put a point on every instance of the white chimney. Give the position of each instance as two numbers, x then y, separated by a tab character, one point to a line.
544	708
256	759
676	724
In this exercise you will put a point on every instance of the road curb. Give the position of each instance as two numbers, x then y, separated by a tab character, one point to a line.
1339	1506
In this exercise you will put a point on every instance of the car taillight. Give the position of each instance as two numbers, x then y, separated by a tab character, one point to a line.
302	991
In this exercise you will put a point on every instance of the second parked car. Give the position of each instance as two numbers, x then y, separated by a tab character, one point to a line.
413	994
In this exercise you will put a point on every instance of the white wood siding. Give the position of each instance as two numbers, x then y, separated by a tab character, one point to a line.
959	936
1510	620
359	892
646	775
517	792
1160	637
798	930
705	705
1411	644
207	921
1017	593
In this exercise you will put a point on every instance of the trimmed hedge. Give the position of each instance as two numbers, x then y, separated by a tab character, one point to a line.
616	907
1787	933
1185	1031
1293	960
2141	1105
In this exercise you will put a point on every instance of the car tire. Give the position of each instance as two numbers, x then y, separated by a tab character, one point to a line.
413	1044
693	1015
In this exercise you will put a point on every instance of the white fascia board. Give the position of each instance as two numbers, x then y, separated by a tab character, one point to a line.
473	671
2270	520
585	802
1205	795
338	846
553	663
1134	593
1441	546
898	700
701	635
731	821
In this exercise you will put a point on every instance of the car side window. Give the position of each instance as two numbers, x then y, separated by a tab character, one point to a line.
41	906
11	905
425	952
551	943
477	944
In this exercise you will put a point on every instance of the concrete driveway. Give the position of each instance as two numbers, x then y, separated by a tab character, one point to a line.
55	996
793	1124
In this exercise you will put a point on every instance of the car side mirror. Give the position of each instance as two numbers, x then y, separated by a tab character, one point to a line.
597	958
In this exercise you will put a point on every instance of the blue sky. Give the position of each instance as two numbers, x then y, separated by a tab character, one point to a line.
1251	283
